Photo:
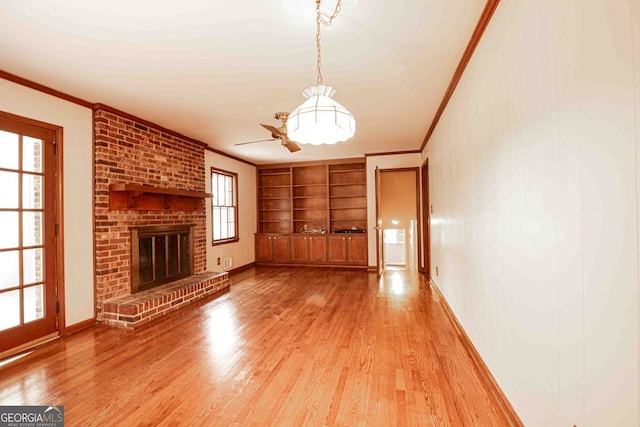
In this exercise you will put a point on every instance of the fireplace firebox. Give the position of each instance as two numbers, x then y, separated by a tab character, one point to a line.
160	254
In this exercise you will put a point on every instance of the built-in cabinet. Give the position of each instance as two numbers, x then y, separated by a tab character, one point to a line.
321	210
308	248
348	249
272	248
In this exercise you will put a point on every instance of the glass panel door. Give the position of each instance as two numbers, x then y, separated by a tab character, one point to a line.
28	307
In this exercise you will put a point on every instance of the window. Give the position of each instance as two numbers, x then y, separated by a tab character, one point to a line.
224	206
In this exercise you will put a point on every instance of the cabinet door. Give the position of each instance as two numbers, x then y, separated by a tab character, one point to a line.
299	248
337	249
280	248
264	250
318	248
357	249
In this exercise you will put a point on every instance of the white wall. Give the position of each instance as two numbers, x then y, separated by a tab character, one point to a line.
393	161
243	251
77	186
534	182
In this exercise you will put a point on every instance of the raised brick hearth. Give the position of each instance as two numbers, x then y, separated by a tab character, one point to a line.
133	310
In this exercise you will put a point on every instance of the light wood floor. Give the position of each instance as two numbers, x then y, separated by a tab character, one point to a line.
285	347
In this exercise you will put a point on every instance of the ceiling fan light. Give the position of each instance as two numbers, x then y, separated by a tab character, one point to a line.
320	119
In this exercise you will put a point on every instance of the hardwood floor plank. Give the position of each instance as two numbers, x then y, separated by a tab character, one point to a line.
284	347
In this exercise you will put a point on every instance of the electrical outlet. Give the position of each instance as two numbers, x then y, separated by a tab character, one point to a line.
218	260
228	262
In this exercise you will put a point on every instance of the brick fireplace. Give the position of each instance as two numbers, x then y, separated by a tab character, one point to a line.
145	177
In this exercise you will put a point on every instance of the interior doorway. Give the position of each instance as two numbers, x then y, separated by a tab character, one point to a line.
399	219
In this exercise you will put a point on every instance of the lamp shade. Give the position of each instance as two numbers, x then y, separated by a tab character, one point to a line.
320	119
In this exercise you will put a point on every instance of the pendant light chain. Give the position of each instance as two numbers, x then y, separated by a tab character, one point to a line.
321	120
325	20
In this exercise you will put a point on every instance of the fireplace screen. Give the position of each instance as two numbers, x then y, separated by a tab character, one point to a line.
160	255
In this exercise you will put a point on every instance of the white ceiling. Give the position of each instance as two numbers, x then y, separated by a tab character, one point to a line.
213	70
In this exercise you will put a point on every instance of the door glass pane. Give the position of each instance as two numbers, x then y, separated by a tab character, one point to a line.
32	194
32	223
9	193
8	230
8	150
9	267
9	309
32	262
33	303
31	154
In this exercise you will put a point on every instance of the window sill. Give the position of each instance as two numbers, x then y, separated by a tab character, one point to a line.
224	242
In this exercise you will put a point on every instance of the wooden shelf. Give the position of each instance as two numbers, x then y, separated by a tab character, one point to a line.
309	197
346	170
273	173
147	198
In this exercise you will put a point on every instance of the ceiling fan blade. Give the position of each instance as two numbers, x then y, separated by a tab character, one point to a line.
275	132
291	146
260	140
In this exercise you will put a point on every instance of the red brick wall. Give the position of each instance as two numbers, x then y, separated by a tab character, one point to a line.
133	153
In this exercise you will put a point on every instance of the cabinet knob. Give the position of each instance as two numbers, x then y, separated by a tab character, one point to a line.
305	238
349	238
344	238
310	238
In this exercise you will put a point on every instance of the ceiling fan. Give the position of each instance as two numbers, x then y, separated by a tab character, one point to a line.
278	134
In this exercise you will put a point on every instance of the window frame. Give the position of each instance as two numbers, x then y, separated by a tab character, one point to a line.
234	195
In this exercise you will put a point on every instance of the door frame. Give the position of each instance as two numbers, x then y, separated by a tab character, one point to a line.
59	231
379	228
425	264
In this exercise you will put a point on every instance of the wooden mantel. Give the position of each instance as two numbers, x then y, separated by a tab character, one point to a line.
147	198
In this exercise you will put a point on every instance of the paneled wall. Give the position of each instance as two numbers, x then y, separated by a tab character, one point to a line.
534	185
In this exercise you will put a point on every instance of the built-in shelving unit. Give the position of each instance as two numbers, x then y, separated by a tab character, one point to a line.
274	200
310	198
348	196
301	205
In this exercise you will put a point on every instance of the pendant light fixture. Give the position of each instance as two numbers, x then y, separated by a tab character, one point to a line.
320	119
